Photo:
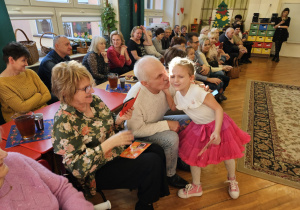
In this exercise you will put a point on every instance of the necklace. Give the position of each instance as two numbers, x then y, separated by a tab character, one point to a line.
10	189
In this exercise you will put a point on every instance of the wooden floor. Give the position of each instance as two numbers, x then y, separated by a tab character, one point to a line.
255	193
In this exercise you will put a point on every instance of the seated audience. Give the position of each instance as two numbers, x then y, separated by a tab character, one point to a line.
166	39
183	30
245	46
118	58
90	140
21	89
136	44
159	35
215	78
228	45
175	32
96	60
151	50
26	184
61	52
238	20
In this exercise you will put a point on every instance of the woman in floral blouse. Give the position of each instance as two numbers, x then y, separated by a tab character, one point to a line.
96	60
85	133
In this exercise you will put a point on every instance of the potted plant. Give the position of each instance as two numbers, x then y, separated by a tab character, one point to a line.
108	20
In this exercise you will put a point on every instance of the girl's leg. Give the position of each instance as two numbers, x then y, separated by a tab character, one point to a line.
233	190
230	166
195	188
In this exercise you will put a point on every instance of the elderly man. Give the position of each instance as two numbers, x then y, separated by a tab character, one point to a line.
228	45
165	42
61	52
148	122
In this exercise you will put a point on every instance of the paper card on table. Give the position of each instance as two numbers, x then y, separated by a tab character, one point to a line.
15	138
135	149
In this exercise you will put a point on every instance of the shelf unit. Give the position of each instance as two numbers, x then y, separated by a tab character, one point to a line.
261	34
195	28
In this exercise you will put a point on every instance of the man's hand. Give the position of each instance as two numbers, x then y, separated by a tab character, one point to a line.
173	125
214	80
205	70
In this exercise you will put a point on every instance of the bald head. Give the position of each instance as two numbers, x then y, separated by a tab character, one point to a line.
144	66
152	74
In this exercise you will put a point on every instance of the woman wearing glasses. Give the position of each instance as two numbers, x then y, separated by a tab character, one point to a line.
88	137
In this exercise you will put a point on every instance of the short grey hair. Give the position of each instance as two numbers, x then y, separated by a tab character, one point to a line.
56	39
95	41
139	67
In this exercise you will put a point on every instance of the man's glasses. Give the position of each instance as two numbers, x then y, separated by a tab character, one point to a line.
87	89
196	42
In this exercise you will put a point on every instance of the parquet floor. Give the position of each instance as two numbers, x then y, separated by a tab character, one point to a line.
256	193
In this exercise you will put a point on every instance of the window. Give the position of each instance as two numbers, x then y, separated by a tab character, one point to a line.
80	20
153	11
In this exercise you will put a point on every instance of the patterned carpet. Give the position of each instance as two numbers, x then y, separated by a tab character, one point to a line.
272	118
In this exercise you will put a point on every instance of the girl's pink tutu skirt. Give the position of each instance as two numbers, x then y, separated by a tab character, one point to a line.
195	136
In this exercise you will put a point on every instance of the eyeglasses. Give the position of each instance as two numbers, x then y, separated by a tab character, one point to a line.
197	42
87	89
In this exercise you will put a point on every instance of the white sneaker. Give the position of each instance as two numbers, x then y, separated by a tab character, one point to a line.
233	189
190	191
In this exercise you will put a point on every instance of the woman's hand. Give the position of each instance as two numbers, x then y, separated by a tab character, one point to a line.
227	68
104	55
120	139
126	116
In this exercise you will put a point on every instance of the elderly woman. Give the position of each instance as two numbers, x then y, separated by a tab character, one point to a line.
215	54
118	58
87	136
136	43
39	188
21	90
159	35
96	60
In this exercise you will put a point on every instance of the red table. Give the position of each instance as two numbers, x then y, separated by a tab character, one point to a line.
23	150
112	100
39	146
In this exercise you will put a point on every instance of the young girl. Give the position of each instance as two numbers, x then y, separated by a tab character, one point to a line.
210	127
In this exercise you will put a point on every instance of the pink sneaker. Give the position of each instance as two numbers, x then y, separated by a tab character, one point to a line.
233	189
190	191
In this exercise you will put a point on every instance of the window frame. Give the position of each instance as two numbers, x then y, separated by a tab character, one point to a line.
153	13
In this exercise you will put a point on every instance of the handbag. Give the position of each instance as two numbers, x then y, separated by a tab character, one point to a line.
31	47
45	50
235	71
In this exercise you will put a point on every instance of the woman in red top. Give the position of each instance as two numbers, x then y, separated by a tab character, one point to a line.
118	58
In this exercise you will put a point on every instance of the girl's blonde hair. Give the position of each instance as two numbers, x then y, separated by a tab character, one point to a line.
184	62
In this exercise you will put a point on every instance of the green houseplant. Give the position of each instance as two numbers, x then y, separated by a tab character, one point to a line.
108	20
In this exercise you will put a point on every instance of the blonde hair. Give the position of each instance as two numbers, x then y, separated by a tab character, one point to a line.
134	29
120	35
184	62
66	77
95	41
213	35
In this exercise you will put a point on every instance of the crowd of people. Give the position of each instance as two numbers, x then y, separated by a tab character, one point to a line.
171	66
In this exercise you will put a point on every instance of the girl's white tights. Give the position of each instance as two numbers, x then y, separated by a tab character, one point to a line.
196	171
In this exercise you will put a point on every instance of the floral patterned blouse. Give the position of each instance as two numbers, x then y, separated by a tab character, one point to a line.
77	138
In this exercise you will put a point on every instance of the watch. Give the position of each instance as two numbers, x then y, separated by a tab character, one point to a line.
278	26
